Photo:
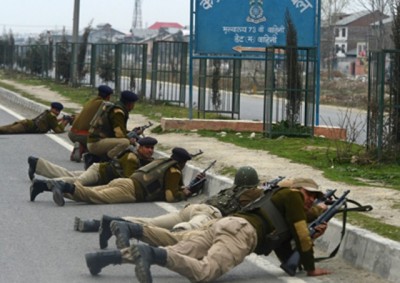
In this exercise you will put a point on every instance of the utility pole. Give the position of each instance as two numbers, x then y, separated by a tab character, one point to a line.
137	16
75	41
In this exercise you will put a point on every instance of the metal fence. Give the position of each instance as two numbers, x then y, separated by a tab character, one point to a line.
383	120
219	87
169	72
289	101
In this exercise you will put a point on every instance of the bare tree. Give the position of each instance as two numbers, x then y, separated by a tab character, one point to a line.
377	9
331	11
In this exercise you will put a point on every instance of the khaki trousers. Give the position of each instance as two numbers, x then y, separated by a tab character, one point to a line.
120	190
108	146
14	128
48	169
206	254
192	216
90	177
206	257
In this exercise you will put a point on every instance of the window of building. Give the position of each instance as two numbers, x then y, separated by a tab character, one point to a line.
343	32
336	32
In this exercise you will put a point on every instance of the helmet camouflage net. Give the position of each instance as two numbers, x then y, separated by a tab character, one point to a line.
246	176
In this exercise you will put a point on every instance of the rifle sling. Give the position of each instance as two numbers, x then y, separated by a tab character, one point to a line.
274	216
334	252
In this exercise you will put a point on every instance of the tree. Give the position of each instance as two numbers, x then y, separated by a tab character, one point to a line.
82	52
294	93
395	85
63	59
378	8
331	10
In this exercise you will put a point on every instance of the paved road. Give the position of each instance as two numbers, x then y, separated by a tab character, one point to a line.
38	243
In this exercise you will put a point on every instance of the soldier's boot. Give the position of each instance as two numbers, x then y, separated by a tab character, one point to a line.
32	161
59	188
144	256
96	261
105	231
76	154
38	187
91	225
124	230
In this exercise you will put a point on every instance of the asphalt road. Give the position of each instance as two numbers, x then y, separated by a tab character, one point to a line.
38	243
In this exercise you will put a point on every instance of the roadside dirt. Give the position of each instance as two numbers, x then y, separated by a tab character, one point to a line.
385	201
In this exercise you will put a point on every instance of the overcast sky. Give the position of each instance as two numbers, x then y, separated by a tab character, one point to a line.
35	16
26	16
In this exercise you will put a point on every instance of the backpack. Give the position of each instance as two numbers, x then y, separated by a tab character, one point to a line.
100	123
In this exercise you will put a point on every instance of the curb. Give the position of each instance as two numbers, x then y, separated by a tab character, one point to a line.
360	248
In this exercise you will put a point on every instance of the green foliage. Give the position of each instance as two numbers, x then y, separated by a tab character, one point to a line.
285	127
63	53
372	224
106	63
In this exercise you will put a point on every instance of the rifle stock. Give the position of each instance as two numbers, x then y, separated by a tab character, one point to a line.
291	265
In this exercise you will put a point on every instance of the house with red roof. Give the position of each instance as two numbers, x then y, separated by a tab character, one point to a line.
159	25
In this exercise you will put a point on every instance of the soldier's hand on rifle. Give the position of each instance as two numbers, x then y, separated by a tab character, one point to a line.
320	230
318	272
138	130
200	176
133	141
186	191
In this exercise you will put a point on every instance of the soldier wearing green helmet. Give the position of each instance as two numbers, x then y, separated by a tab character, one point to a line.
192	216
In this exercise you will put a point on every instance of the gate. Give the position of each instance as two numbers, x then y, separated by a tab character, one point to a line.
169	72
289	100
219	87
131	66
383	122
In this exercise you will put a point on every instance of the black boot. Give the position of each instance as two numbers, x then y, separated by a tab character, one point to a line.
144	256
105	231
32	161
91	225
124	230
96	261
37	187
60	188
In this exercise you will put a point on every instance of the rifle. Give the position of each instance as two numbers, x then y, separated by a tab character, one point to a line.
196	154
326	198
291	265
68	118
138	131
272	184
197	183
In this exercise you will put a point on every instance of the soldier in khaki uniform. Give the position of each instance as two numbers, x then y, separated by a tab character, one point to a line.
41	124
160	180
192	216
80	127
110	137
122	166
199	257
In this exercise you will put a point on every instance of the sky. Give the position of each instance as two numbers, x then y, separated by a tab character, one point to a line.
35	16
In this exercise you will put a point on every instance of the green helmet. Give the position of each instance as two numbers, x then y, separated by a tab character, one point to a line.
246	176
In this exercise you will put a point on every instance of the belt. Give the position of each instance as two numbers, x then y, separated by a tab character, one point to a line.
80	132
